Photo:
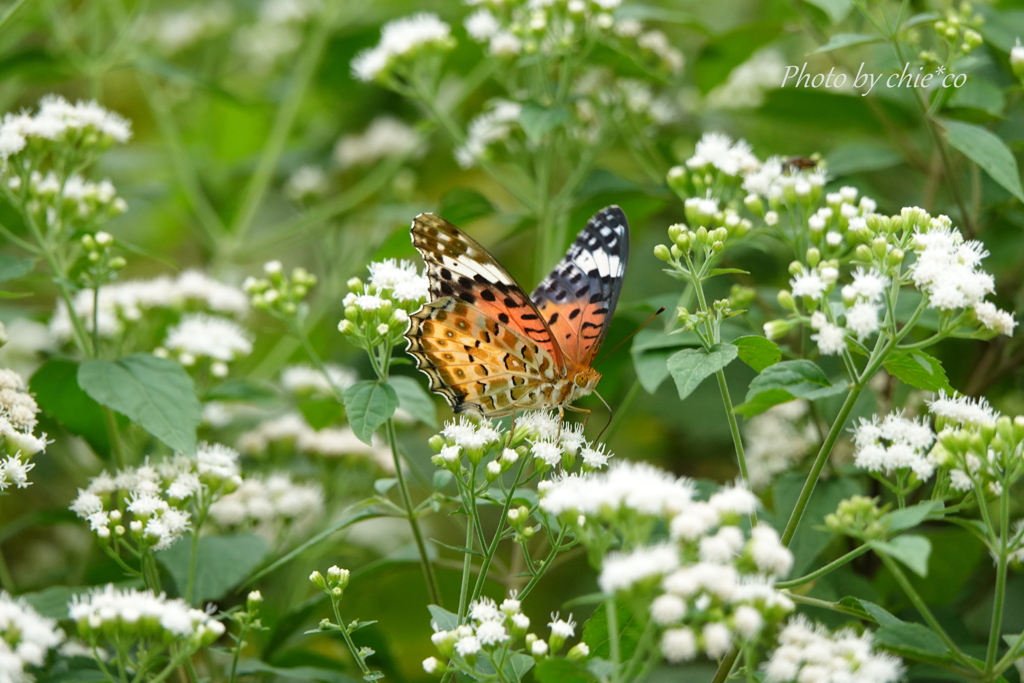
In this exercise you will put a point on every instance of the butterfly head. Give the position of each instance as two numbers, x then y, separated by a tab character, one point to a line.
586	380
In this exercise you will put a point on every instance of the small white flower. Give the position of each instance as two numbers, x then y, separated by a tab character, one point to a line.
467	645
678	645
963	409
548	452
202	335
831	339
717	639
667	609
862	319
808	284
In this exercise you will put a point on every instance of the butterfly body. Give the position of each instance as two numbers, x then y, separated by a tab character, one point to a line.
488	347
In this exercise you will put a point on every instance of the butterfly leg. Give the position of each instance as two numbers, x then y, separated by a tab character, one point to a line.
580	410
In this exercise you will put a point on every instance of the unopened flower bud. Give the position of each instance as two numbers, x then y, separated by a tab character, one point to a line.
785	298
317	579
813	257
776	329
253	601
1017	59
662	253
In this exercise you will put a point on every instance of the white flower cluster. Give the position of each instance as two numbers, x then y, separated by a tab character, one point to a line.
894	443
948	270
709	584
291	431
276	34
495	124
401	41
149	504
304	380
57	120
808	653
306	183
124	303
268	504
25	639
384	137
979	447
199	335
552	27
538	433
178	30
18	412
747	83
625	487
110	615
719	151
973	444
379	310
74	196
776	440
492	632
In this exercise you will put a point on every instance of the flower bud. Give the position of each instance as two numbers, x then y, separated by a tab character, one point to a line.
1017	59
863	252
676	179
437	442
578	652
317	579
785	298
355	285
253	601
754	204
813	257
662	253
776	329
338	576
676	252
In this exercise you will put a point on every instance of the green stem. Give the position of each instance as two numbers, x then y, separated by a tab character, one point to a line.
11	11
467	570
535	579
995	631
819	464
291	102
643	647
6	578
348	639
410	511
193	561
493	548
238	650
831	566
923	610
613	637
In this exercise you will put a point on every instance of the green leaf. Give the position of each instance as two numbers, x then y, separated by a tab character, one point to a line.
841	40
53	602
726	52
369	404
690	367
835	9
154	393
517	666
784	382
55	385
918	369
906	638
758	352
810	539
223	562
444	619
12	268
414	399
241	389
980	94
984	148
908	518
321	412
848	159
249	667
910	549
631	628
538	121
382	486
460	205
560	670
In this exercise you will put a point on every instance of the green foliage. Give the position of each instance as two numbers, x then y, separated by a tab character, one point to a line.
690	367
55	385
221	563
368	406
919	370
988	151
155	393
787	381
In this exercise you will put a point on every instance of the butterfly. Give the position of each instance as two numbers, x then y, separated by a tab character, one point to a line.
488	347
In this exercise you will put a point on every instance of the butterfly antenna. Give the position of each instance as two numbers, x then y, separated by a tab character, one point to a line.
619	345
611	415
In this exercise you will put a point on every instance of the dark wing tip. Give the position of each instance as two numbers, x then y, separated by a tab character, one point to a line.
612	213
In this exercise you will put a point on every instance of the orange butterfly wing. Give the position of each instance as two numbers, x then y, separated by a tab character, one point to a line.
480	340
578	298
